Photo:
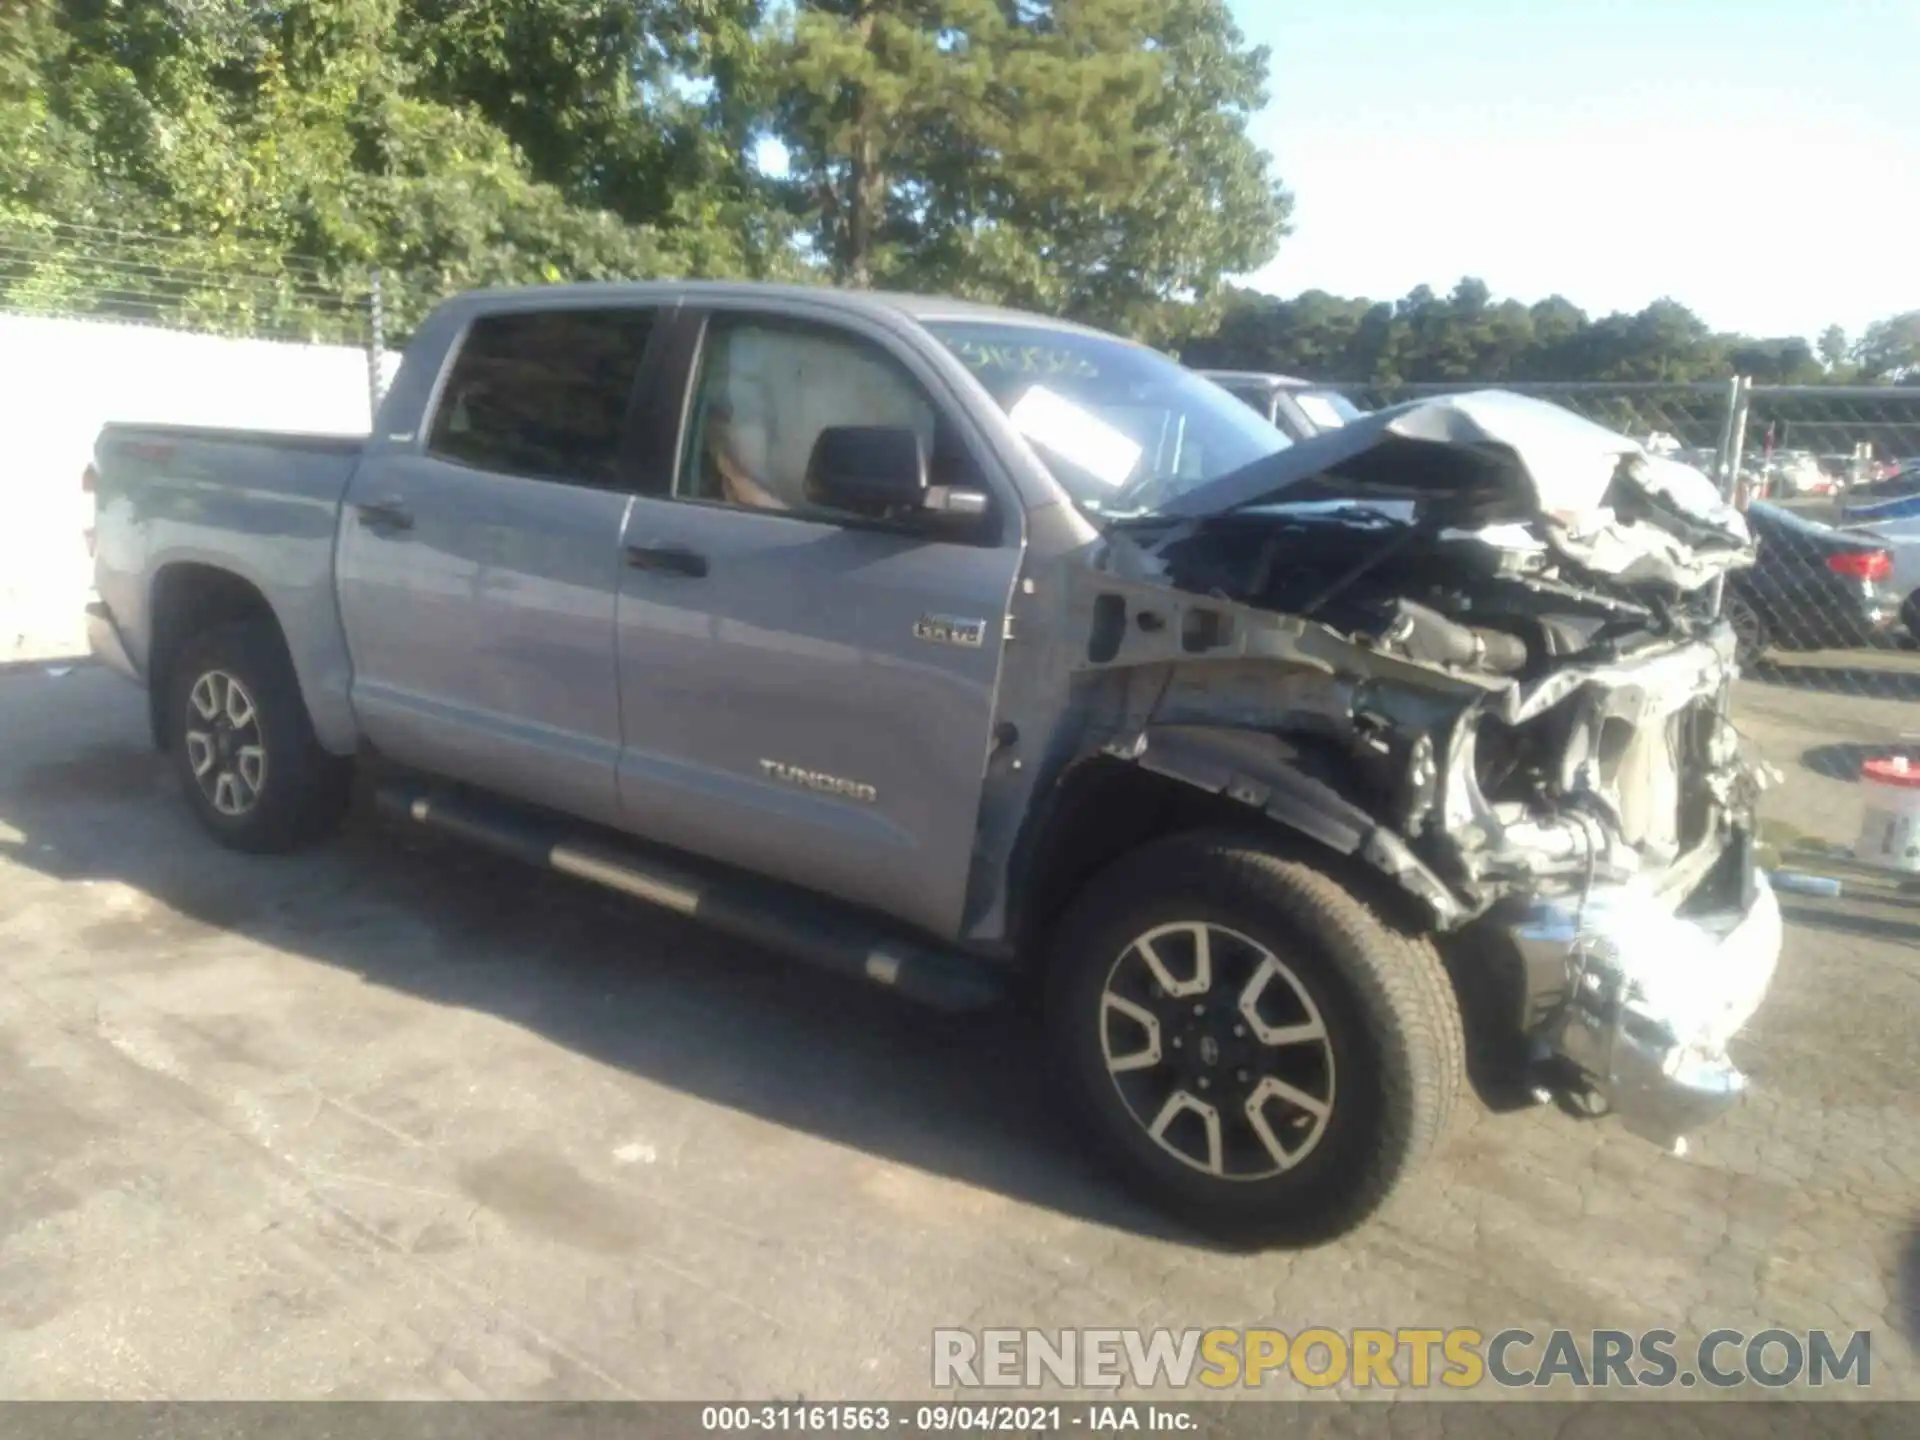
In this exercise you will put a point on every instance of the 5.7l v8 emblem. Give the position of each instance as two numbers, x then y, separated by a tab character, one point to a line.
951	630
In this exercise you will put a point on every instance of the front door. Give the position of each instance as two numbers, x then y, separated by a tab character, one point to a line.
804	693
479	570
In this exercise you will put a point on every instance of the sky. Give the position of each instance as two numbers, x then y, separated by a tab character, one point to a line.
1756	160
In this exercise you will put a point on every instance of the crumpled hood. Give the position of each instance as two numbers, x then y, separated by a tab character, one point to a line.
1601	500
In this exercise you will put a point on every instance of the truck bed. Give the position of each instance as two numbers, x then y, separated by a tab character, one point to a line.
260	506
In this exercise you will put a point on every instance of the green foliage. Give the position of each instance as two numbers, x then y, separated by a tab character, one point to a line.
243	164
1833	348
1890	349
1469	336
1088	158
267	157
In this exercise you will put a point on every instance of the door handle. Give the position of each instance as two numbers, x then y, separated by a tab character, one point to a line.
667	560
384	514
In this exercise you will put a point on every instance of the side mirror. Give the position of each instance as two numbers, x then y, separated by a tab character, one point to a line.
869	469
881	471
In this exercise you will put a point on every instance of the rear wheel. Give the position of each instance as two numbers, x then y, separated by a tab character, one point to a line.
1256	1051
239	733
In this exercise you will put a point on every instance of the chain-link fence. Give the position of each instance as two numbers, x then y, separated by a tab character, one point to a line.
206	285
211	285
1694	422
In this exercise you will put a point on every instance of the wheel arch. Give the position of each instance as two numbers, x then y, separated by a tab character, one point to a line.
189	597
1202	777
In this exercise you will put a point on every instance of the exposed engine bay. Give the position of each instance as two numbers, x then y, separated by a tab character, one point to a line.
1472	642
1604	747
1516	674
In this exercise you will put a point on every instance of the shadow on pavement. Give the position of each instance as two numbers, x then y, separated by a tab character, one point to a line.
1842	762
1852	921
609	978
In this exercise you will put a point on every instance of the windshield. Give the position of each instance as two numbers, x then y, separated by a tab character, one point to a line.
1123	429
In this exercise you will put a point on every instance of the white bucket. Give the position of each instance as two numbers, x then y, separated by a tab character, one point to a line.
1890	828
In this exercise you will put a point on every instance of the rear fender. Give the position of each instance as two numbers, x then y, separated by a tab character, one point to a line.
299	601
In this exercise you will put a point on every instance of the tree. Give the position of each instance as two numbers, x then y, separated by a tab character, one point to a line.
278	151
1890	349
616	104
1781	361
864	81
1469	336
1833	347
1084	157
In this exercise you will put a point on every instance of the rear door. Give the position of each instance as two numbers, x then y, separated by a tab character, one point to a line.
479	565
809	694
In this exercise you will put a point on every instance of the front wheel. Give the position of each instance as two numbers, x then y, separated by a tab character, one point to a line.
1256	1051
253	772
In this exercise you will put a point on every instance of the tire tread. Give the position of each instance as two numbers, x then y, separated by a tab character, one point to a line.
1397	976
308	789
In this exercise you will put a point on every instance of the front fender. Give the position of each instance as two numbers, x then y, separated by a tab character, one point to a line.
1263	772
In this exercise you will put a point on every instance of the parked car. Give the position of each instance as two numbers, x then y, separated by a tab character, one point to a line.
1298	408
956	650
1897	497
1811	587
1902	539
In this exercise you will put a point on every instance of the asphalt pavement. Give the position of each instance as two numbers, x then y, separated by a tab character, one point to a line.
397	1119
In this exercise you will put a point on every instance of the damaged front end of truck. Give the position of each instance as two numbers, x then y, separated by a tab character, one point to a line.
1472	642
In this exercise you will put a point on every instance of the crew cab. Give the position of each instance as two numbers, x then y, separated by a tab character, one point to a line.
966	651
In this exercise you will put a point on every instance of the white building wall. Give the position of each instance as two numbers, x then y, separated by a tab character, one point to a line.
61	380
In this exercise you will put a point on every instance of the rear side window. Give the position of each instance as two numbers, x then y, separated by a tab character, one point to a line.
543	394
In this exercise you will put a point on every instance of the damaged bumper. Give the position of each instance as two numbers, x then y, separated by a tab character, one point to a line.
1647	999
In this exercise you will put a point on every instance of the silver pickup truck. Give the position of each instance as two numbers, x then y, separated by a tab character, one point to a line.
967	651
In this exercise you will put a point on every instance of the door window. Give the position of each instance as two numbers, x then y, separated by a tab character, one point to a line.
543	394
765	392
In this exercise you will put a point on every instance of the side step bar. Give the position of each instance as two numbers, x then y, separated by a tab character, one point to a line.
820	932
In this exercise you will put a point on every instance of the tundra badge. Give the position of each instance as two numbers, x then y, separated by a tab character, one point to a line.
818	780
951	630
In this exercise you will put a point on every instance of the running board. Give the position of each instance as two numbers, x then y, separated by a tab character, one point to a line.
820	932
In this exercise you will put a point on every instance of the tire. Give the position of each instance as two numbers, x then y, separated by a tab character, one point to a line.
1749	631
1386	1067
271	788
